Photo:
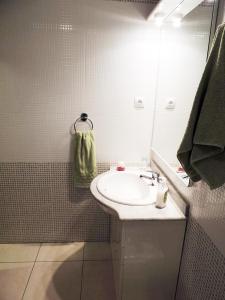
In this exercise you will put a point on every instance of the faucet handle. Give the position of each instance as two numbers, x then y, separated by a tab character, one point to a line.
155	175
159	179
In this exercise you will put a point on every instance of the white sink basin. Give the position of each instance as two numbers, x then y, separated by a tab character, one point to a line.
126	188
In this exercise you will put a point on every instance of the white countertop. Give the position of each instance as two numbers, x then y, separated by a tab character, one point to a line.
146	212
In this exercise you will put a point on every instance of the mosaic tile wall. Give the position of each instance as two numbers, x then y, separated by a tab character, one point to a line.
39	203
140	1
204	3
202	273
59	58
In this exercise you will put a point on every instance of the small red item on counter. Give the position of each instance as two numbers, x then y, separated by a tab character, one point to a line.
180	169
120	168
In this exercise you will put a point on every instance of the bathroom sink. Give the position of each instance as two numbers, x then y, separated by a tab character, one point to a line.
126	188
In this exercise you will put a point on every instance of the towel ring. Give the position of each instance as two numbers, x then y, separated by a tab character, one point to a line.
84	118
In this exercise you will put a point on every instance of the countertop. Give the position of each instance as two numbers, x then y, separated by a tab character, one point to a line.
146	212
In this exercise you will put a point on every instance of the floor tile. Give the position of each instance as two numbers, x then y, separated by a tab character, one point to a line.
55	281
18	252
61	252
13	280
97	251
98	281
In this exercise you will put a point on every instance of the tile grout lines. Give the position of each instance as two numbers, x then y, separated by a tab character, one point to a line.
82	273
80	260
64	261
31	272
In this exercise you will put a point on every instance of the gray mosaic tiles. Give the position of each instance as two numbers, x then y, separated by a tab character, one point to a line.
39	203
140	1
204	3
202	272
202	275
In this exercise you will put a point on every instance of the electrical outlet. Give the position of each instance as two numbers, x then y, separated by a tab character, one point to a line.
139	102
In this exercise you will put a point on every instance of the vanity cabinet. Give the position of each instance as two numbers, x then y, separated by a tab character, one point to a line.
146	242
146	257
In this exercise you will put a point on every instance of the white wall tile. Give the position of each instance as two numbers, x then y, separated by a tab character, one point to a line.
61	58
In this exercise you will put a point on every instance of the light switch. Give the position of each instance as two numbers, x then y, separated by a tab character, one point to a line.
139	102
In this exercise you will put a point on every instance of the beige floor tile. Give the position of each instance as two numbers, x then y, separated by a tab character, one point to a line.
18	252
61	252
13	280
55	281
98	281
97	251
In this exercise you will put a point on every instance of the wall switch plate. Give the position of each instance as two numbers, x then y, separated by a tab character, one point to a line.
139	102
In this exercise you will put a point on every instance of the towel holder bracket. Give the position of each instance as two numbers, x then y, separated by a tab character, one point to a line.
83	118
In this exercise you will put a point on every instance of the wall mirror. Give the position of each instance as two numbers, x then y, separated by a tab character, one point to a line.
185	41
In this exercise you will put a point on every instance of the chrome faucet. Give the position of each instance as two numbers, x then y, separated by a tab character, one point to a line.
148	177
155	176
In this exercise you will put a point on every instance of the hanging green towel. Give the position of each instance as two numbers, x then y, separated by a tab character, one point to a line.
85	168
201	152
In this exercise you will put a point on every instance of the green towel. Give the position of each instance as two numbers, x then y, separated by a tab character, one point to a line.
201	152
85	168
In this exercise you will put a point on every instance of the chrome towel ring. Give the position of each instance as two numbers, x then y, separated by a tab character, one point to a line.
83	118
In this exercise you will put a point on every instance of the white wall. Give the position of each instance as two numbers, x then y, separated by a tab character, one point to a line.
61	58
182	61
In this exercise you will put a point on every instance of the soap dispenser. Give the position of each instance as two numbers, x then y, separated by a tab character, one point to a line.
162	193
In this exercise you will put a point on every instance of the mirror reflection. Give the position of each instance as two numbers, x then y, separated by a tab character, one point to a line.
183	55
